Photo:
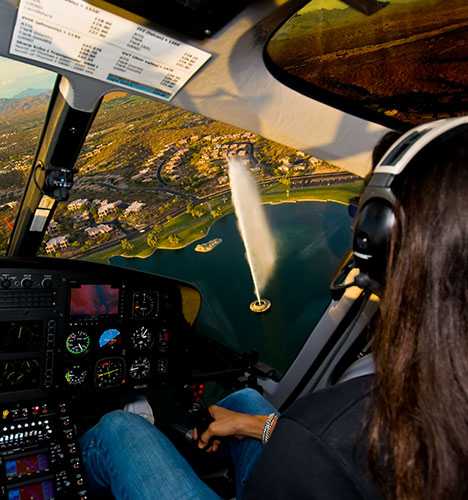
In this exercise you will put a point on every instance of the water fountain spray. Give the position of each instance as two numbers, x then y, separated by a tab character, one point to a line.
253	226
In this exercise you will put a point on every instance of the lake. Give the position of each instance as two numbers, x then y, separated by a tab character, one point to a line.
311	238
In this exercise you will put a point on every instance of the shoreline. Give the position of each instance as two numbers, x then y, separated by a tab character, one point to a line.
339	193
164	247
304	199
143	255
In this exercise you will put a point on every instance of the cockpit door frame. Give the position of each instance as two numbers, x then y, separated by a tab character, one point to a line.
51	176
343	323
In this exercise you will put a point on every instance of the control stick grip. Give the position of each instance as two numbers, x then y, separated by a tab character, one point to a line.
201	416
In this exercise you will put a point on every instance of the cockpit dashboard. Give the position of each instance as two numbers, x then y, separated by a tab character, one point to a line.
70	326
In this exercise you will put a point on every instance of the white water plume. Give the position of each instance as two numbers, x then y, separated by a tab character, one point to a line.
253	225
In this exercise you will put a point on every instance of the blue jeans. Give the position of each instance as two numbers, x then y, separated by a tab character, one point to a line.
132	458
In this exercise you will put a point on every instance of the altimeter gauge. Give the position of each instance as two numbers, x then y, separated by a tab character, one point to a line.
141	338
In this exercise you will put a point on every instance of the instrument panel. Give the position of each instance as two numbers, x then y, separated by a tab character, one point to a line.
83	327
73	336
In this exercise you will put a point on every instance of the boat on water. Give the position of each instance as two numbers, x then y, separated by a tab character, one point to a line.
208	246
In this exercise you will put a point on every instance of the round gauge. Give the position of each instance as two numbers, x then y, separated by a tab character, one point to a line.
141	338
22	336
20	373
77	342
110	337
30	365
12	374
76	375
143	305
110	372
140	368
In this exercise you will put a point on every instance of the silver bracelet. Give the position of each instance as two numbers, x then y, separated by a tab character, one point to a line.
272	418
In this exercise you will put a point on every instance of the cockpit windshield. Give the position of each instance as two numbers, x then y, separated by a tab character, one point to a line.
153	192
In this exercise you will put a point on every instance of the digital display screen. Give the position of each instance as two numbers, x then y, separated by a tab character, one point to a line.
94	301
19	467
43	490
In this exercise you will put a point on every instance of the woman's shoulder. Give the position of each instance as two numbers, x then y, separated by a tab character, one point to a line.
321	442
323	410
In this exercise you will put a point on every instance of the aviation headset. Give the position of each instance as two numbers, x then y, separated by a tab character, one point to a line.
376	216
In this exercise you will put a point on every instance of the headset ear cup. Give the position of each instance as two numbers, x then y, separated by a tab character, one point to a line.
371	238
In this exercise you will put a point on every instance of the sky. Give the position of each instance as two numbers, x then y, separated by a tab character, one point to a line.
16	77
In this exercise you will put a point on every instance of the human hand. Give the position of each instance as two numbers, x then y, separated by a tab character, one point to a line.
229	423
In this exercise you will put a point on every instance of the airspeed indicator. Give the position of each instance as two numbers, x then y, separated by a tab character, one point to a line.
77	342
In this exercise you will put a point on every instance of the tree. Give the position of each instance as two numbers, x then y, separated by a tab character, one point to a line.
216	212
157	228
198	211
126	245
152	239
174	239
286	181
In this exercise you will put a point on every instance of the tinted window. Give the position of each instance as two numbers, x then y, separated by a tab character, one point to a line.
404	64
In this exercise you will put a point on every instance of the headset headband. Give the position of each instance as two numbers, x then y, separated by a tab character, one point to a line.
400	153
376	217
408	145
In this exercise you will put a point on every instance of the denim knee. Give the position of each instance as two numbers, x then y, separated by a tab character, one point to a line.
247	401
120	425
115	418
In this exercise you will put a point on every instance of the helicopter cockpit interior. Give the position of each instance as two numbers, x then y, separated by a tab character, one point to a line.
127	266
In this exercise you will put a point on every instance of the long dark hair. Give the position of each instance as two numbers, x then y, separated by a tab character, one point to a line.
419	420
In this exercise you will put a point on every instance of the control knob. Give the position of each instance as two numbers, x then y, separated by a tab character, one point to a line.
46	283
6	283
26	282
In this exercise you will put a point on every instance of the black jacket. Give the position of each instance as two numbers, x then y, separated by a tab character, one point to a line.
318	449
